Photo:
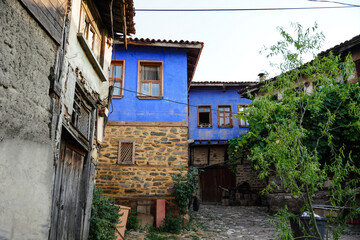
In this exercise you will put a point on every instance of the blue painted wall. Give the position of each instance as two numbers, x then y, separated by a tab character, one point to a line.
214	96
130	108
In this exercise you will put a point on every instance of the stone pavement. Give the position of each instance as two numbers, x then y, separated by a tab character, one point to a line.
234	222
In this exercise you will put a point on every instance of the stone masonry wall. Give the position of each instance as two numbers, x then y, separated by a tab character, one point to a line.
245	174
27	54
159	151
217	155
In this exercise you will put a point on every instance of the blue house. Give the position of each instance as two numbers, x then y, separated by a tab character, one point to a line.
211	124
146	137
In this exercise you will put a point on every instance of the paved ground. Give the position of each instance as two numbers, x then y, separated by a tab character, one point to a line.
227	222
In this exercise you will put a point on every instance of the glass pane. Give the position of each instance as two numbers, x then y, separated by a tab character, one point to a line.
155	89
221	114
111	67
227	109
227	114
117	87
145	89
221	109
206	109
117	71
150	72
221	121
227	121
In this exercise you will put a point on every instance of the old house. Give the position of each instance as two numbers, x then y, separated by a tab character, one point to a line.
54	98
147	134
213	106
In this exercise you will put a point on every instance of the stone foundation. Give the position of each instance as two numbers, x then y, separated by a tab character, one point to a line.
159	151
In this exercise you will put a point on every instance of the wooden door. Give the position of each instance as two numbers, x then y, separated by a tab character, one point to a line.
69	194
210	181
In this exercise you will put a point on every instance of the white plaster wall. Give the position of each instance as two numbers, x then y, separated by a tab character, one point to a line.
78	59
25	191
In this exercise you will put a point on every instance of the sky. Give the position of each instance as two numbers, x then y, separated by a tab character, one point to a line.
232	40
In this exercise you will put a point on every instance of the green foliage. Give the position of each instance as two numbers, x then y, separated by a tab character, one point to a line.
171	224
104	217
306	133
185	185
132	221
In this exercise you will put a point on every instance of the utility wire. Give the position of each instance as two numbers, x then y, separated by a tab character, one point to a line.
341	3
243	9
170	100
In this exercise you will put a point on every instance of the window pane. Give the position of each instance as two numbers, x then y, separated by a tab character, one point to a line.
227	109
221	114
117	71
117	87
221	121
227	121
155	89
150	72
145	88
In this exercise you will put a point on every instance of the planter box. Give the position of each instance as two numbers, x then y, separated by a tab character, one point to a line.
124	212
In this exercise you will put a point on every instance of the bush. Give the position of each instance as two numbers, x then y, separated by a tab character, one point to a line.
132	221
171	224
184	187
104	217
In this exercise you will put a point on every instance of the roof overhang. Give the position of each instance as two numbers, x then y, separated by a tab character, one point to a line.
192	48
117	24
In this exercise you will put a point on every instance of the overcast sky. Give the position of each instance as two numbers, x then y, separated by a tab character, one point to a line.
232	40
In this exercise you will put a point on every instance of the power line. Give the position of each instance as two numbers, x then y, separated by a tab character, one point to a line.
168	100
242	9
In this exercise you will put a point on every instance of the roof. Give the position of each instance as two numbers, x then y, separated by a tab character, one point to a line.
118	19
222	83
193	49
342	48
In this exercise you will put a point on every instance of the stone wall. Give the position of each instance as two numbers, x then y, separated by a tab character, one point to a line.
159	151
27	54
245	174
201	155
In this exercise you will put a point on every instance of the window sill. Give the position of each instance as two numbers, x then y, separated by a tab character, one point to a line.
117	97
225	126
151	98
204	126
89	53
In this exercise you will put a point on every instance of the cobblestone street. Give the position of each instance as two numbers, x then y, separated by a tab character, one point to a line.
235	222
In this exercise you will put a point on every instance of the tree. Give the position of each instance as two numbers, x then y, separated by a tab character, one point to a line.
304	126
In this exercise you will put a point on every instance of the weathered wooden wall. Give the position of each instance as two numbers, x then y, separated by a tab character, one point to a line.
50	14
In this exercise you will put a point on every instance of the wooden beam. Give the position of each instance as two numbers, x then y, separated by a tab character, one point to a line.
124	25
147	124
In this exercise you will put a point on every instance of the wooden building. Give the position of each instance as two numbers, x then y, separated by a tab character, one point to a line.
54	93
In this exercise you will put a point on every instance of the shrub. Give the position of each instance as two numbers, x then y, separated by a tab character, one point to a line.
132	221
104	217
184	187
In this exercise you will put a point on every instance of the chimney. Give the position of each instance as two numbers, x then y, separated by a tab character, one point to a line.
262	76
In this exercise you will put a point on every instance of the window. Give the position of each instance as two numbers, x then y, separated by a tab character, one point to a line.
204	117
81	116
242	121
150	79
116	77
90	31
126	153
224	116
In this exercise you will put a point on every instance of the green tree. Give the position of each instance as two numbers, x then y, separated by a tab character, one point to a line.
303	132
